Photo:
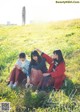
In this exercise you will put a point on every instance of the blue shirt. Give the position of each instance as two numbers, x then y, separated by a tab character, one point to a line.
24	65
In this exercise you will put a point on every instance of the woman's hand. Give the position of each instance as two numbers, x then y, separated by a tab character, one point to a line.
38	50
46	74
17	66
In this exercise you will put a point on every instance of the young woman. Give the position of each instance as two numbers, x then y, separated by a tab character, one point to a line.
37	68
56	69
20	71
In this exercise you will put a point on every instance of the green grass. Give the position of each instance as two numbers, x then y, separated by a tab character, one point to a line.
64	35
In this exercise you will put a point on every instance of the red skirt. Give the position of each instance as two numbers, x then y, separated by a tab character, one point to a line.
17	76
35	77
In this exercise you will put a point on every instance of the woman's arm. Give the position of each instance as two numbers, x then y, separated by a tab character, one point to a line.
48	58
59	71
29	69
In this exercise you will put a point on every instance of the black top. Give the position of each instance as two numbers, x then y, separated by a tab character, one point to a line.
38	66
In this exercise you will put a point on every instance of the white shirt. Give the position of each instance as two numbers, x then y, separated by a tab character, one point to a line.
24	65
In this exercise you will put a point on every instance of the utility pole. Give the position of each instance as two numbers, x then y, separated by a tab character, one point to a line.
23	15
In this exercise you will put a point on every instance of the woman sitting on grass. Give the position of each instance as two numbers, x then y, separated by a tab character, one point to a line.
36	68
56	70
20	71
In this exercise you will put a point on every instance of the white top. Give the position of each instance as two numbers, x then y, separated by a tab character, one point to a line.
24	65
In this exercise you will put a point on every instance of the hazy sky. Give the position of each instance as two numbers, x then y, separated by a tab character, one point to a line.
37	10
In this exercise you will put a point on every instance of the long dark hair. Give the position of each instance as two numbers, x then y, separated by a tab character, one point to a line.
35	53
60	56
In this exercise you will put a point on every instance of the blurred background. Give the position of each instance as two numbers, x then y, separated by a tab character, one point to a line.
37	11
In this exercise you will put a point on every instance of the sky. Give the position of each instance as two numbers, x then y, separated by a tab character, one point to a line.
37	11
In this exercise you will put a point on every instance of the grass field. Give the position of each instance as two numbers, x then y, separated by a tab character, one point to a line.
64	35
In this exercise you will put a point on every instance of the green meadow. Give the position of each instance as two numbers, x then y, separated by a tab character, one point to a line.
64	35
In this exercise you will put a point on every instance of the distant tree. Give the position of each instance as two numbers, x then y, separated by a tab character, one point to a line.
23	15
